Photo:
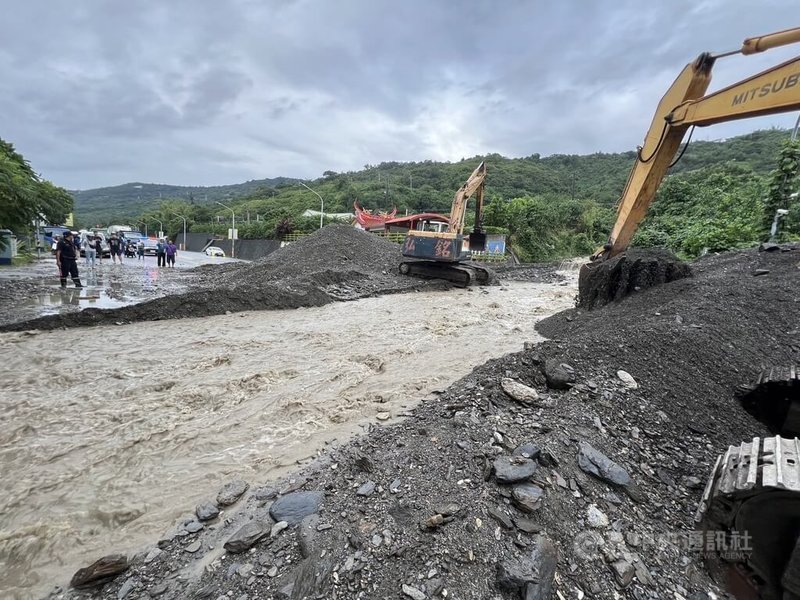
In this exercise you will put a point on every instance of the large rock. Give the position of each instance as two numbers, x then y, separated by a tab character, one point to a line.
511	469
528	450
231	492
247	537
520	392
530	578
559	375
296	505
101	571
611	280
527	497
598	464
206	511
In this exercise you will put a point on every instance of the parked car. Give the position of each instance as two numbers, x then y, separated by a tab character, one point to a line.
150	246
214	251
104	248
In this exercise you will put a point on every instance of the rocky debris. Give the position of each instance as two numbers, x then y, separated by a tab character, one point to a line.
206	511
413	592
101	571
519	391
527	497
511	469
658	434
277	528
294	506
231	492
596	518
246	537
193	547
366	489
627	379
531	577
527	450
193	526
623	572
759	272
598	464
559	375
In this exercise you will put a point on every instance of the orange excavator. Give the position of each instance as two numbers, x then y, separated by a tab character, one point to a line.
440	255
750	509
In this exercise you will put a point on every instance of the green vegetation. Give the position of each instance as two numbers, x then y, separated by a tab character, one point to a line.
552	207
25	197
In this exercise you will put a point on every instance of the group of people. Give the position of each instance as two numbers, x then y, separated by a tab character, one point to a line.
68	250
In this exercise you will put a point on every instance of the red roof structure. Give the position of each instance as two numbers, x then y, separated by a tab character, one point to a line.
368	220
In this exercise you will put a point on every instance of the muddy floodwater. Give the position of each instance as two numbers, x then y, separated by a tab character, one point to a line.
111	434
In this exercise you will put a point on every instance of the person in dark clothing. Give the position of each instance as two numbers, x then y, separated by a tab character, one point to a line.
67	260
115	246
161	253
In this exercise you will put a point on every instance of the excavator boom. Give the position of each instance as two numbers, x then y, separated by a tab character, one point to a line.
685	104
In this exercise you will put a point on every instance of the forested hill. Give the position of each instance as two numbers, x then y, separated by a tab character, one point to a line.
430	185
103	205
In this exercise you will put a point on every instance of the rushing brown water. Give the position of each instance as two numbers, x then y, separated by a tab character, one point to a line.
110	434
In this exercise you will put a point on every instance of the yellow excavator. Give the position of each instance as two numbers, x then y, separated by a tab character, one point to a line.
440	255
750	509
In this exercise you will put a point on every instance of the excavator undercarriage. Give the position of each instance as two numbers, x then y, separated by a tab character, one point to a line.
749	518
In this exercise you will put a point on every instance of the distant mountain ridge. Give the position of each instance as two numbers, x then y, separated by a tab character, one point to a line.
129	200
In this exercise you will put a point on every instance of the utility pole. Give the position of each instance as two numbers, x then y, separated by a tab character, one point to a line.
233	229
184	230
321	203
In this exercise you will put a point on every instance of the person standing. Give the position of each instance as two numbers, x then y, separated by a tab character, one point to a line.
91	250
140	250
161	252
171	252
114	247
67	260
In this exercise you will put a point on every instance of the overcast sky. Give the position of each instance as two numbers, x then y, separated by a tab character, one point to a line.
207	92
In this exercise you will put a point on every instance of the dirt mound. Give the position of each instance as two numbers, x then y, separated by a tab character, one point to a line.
634	270
332	248
619	461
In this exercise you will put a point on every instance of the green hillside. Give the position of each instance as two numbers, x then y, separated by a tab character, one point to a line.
121	203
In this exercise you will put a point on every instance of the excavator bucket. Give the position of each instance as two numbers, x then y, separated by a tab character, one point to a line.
604	281
477	241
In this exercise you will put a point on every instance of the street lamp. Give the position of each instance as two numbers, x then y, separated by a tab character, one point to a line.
321	203
145	226
160	227
184	229
233	228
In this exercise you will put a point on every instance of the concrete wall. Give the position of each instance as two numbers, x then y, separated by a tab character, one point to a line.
245	249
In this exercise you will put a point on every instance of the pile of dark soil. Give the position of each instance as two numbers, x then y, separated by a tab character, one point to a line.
634	270
335	248
538	273
418	507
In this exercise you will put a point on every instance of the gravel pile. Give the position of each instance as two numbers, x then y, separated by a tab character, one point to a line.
339	248
571	469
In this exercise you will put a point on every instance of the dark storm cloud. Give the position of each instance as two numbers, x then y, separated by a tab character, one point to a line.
202	92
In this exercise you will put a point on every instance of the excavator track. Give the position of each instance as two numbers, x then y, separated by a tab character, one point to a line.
461	274
749	519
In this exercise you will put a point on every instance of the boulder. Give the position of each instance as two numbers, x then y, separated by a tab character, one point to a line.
231	492
294	506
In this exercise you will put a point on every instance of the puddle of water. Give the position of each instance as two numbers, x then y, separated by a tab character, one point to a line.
104	454
48	304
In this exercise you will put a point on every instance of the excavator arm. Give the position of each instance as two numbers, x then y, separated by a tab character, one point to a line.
475	183
685	104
